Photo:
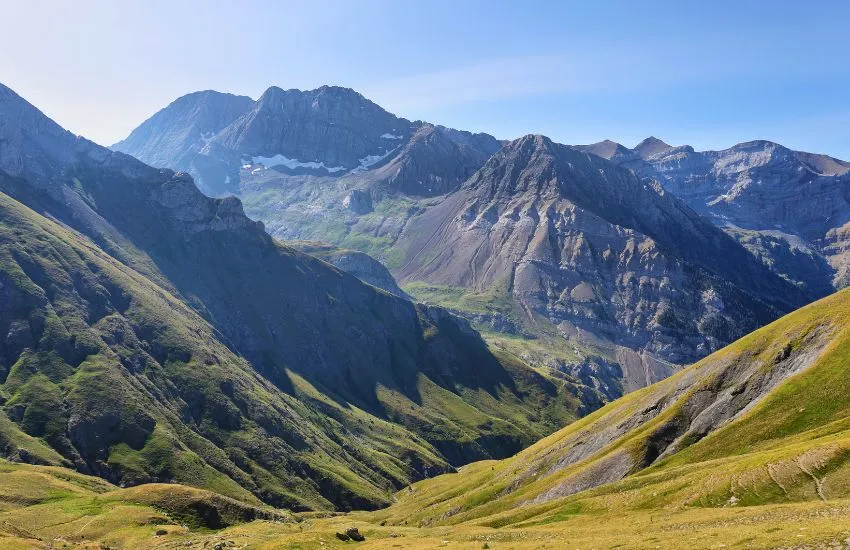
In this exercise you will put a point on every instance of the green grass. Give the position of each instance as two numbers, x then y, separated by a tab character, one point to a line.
767	455
52	506
495	300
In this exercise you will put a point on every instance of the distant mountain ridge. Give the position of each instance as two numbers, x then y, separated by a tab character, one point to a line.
330	131
790	208
171	136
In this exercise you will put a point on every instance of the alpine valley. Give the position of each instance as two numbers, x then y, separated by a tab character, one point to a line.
302	321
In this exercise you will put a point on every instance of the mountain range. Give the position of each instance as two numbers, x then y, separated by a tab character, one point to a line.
156	334
613	271
220	139
467	339
790	208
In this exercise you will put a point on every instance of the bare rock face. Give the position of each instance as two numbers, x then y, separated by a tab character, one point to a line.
754	185
331	125
435	161
197	212
31	144
590	246
173	135
786	206
357	201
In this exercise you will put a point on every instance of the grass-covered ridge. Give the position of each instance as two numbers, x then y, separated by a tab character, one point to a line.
140	365
766	420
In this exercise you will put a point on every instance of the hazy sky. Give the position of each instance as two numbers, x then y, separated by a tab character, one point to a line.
709	73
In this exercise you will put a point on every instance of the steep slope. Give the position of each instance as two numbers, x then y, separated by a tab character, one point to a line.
788	207
126	382
156	334
435	161
174	134
578	242
765	420
362	266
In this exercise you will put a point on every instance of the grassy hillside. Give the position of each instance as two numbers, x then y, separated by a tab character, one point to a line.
41	506
748	448
766	420
109	373
105	371
47	507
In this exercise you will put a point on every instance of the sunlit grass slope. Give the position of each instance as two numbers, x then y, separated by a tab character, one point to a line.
765	420
49	507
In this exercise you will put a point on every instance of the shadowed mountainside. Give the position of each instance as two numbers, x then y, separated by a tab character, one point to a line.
156	334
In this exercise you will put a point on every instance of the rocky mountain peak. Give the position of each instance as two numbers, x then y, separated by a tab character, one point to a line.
30	142
183	128
606	149
323	99
330	129
569	235
651	146
527	148
435	160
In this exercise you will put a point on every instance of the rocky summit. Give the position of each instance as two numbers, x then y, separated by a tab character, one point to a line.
331	131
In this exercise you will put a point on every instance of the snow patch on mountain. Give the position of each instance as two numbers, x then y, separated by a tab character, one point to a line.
292	164
370	160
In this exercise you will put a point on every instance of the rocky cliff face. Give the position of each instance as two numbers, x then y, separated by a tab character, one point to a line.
791	198
331	126
173	135
435	161
588	246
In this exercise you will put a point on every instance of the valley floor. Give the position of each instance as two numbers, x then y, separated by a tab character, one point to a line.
56	508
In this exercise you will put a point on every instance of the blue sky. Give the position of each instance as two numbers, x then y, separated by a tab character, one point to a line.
709	74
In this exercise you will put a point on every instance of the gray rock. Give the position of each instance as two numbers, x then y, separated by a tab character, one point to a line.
590	246
788	207
177	132
357	201
354	534
229	142
359	264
